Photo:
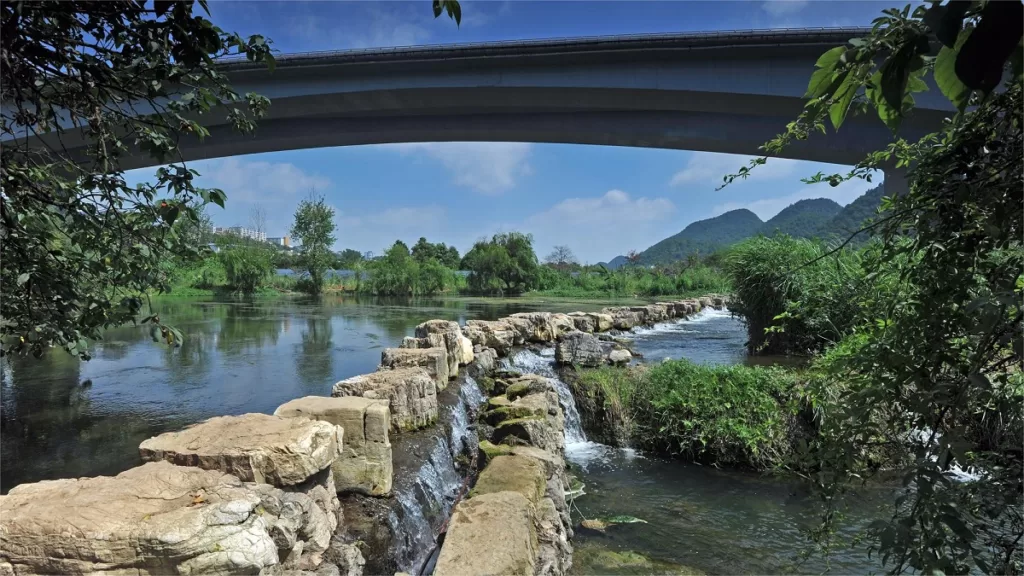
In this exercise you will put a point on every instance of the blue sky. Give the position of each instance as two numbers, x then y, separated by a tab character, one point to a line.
600	201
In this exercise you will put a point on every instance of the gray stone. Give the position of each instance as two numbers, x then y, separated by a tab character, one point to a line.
580	349
157	518
365	464
433	360
253	447
490	534
410	392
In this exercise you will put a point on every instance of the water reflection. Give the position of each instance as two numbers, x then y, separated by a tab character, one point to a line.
237	357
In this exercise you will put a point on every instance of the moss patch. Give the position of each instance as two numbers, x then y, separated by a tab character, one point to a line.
492	451
517	390
497	402
510	473
498	415
596	559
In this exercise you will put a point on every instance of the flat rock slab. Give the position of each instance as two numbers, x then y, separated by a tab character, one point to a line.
433	360
513	473
154	519
490	534
411	393
253	447
365	464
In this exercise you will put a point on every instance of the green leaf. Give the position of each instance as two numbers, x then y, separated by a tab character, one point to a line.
945	74
22	278
841	103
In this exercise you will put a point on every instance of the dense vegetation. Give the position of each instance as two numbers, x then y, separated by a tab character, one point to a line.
929	367
730	415
793	299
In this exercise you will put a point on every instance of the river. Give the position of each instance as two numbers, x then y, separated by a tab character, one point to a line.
65	418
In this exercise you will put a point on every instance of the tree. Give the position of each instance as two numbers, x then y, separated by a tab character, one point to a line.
347	259
562	258
930	372
506	263
424	252
314	228
81	247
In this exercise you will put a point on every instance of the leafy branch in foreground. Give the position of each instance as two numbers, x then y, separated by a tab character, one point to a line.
82	246
964	46
931	365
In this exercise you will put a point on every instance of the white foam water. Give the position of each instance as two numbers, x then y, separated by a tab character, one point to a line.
681	326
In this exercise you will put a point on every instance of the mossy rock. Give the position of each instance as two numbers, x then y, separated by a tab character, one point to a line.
486	384
517	431
497	402
517	390
498	415
492	451
511	473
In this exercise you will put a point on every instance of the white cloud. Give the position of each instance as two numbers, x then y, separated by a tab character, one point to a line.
378	230
598	228
765	208
779	8
260	181
377	25
487	167
276	187
708	169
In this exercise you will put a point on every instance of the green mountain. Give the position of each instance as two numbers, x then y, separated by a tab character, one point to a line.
704	237
853	216
813	218
803	219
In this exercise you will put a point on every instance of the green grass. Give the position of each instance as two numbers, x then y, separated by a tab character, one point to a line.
728	415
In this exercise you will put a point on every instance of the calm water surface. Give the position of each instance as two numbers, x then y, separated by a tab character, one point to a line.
61	418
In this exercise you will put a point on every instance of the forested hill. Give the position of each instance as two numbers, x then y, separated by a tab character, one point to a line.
804	218
853	216
813	218
704	237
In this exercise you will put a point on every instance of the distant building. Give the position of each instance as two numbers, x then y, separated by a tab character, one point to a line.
281	241
241	232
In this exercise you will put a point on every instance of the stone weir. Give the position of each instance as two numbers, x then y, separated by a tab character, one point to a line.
365	478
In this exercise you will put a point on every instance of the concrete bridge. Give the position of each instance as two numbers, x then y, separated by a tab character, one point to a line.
713	91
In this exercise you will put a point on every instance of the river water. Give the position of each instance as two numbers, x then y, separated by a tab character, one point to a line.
63	418
698	518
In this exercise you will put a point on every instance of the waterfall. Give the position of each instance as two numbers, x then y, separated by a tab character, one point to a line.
542	364
424	504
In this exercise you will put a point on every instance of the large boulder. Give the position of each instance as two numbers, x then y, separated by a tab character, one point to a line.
459	347
433	360
543	427
623	318
583	322
497	334
705	301
484	362
157	518
541	327
411	394
253	447
365	464
581	349
490	534
562	324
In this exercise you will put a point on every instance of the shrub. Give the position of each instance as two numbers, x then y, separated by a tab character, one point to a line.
794	298
732	415
248	267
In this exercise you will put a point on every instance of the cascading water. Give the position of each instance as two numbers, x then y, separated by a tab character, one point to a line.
424	504
542	364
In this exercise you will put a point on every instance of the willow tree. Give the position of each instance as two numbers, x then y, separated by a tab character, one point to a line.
930	374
